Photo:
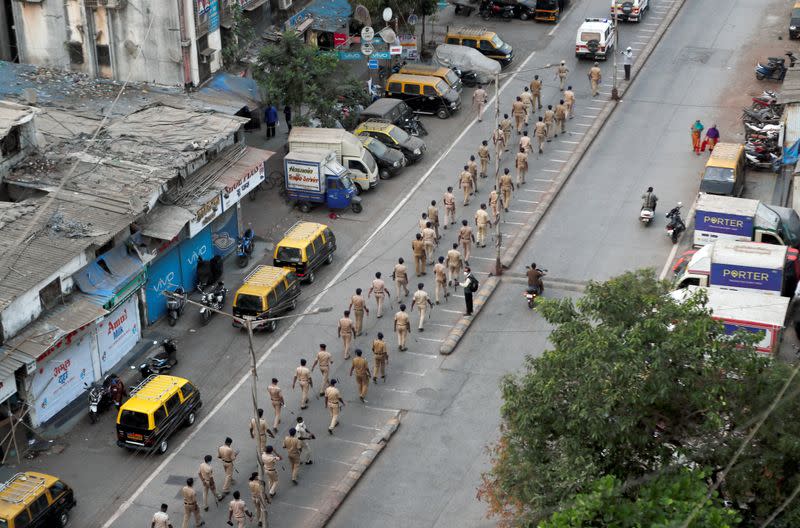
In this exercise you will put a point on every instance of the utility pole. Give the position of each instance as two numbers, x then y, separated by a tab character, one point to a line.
614	91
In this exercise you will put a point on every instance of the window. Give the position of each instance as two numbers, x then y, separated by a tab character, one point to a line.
250	303
453	40
280	289
75	52
133	420
187	390
429	90
57	489
332	184
310	250
22	520
288	254
103	55
472	43
273	299
486	45
50	295
587	36
39	506
356	165
412	89
173	403
159	416
395	87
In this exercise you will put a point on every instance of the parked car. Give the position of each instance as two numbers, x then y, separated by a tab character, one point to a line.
475	67
424	94
392	136
487	42
390	160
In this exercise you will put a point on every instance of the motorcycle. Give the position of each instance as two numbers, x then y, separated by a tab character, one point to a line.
245	248
532	292
212	299
761	160
160	361
414	126
675	226
495	9
102	395
767	99
175	304
775	69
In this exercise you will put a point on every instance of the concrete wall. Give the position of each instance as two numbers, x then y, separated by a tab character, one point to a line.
42	32
28	144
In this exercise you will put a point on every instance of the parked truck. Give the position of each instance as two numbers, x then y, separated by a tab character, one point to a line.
318	178
349	152
741	266
725	217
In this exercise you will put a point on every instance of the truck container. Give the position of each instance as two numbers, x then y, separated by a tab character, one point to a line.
740	266
725	217
317	177
349	152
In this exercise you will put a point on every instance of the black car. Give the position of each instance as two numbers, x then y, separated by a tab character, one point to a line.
794	22
395	111
390	160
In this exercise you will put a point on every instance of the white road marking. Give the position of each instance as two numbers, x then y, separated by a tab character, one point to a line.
652	24
550	170
510	223
521	212
362	444
532	190
431	339
296	505
594	107
368	428
434	356
565	151
581	125
486	272
546	181
528	201
126	504
558	160
570	142
479	258
444	325
550	34
420	374
461	296
451	311
334	460
384	409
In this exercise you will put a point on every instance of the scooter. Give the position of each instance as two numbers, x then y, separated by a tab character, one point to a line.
213	299
102	395
675	226
775	69
646	215
160	361
175	304
245	248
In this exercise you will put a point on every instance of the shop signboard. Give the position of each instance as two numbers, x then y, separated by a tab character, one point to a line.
118	333
236	191
206	214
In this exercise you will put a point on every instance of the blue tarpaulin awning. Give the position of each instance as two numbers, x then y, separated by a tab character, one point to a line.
230	93
332	16
109	274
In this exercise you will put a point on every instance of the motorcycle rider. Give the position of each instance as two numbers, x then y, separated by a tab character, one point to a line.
535	283
649	200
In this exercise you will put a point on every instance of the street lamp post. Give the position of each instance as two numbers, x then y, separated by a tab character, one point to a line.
247	322
614	91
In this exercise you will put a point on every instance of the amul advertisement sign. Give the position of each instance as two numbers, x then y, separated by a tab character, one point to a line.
60	376
303	175
118	333
724	223
746	277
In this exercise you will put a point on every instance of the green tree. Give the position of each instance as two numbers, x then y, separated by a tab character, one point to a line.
661	503
241	36
637	383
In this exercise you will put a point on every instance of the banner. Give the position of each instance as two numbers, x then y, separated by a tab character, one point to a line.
118	333
746	277
724	223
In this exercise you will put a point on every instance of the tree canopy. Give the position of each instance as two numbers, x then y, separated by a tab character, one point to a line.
636	385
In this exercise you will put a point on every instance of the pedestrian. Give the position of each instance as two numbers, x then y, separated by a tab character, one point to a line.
536	91
271	119
494	198
519	113
421	300
206	474
521	165
287	114
540	131
237	510
402	325
627	62
482	222
561	117
269	458
429	239
276	397
324	360
569	101
346	331
161	519
190	504
418	248
697	131
400	277
422	221
379	289
549	121
303	375
595	76
525	142
449	201
333	401
499	137
479	101
561	74
358	305
466	183
466	238
433	216
257	493
712	137
381	356
507	126
527	100
454	264
293	447
228	456
261	429
440	277
470	286
483	155
361	368
472	167
304	435
506	188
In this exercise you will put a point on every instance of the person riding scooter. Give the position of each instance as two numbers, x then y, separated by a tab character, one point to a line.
649	200
535	284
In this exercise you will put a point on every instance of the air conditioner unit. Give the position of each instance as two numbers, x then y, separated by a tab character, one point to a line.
112	4
284	4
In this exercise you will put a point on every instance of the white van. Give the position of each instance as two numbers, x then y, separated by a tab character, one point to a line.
348	148
595	39
630	10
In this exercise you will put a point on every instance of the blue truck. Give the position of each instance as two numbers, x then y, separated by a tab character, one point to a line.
314	178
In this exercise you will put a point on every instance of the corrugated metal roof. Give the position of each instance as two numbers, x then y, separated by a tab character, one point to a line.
12	114
242	166
165	222
791	119
790	89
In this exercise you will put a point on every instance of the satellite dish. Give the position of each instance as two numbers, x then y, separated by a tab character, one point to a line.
388	35
387	14
361	14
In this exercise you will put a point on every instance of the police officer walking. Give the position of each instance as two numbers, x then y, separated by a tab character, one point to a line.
227	455
276	397
346	331
303	375
359	306
206	474
324	360
402	325
304	435
190	504
333	401
361	368
379	289
381	356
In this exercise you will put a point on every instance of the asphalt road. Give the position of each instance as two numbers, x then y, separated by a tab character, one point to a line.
428	473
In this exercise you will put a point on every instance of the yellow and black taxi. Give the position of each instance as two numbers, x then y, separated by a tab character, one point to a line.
393	136
446	74
424	94
304	248
267	292
487	42
158	406
35	500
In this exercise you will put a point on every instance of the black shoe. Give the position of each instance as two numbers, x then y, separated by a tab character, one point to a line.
330	431
421	329
309	462
361	398
205	509
294	482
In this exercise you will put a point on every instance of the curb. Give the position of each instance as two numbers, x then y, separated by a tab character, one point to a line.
335	498
524	233
461	326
